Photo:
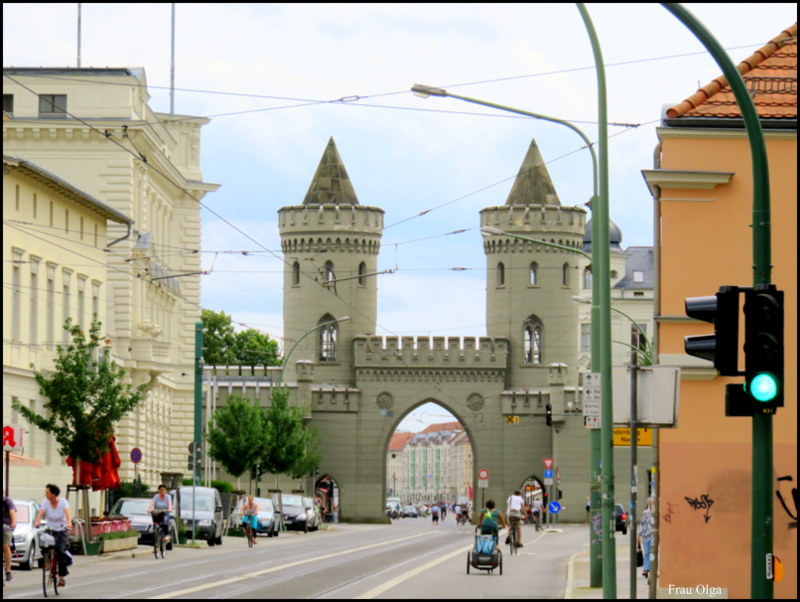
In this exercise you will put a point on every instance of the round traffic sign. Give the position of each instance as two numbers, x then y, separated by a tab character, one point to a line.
136	455
483	474
554	507
548	474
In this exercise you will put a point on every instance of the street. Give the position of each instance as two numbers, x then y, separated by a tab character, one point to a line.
408	559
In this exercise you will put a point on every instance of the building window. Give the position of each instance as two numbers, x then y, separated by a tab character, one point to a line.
501	274
33	318
16	297
638	276
328	272
533	340
639	337
327	339
587	278
534	274
362	271
50	324
295	273
565	275
586	337
52	105
8	103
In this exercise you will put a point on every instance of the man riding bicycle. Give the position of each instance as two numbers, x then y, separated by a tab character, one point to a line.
162	502
249	514
516	512
56	512
537	513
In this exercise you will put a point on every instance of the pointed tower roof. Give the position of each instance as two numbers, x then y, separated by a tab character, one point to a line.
533	185
331	184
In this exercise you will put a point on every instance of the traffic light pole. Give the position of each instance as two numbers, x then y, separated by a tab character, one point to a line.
761	583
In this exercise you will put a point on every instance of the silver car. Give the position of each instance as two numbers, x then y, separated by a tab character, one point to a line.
269	519
135	508
26	552
314	517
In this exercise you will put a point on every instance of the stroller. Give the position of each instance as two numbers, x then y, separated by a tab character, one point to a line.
485	554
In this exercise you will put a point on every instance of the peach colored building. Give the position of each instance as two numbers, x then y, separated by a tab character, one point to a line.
703	192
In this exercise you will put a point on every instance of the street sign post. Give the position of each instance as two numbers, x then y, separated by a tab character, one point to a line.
548	462
591	400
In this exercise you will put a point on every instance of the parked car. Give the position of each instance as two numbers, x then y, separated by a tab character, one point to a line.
620	519
313	513
295	512
27	551
135	508
269	519
207	512
410	512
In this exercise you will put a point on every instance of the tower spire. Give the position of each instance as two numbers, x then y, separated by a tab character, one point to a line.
331	184
533	185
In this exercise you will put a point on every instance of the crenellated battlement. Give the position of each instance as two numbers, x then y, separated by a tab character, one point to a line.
308	219
430	352
536	218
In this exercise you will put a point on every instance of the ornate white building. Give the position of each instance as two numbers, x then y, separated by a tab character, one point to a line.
93	128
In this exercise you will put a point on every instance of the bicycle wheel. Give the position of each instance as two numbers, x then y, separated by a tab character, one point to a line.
50	574
249	529
162	544
513	544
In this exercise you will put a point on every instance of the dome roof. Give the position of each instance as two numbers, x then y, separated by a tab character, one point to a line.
614	236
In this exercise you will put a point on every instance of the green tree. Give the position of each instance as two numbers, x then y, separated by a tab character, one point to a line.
85	396
253	348
237	435
287	451
218	338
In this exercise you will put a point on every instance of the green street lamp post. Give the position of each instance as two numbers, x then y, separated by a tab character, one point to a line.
602	553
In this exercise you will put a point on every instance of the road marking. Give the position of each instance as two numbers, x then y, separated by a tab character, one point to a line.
412	573
281	567
571	574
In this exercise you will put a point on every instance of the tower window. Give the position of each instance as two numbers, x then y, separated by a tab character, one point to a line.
362	271
501	274
565	275
533	340
587	278
296	273
328	272
534	274
327	339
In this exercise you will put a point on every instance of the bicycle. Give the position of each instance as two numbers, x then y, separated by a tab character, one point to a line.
50	578
537	520
248	531
159	536
512	538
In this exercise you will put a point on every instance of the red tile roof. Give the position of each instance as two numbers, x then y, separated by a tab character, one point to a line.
444	426
399	440
770	75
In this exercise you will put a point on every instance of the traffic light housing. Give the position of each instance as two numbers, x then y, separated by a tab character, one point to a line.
722	347
548	414
763	347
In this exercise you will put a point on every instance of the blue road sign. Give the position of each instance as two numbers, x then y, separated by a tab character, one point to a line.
554	507
136	455
548	474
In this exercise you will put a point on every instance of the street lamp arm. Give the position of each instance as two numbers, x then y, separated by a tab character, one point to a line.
425	91
297	342
492	230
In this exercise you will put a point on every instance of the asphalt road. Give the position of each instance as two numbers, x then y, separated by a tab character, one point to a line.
408	559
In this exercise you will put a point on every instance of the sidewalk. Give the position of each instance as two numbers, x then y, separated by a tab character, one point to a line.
578	578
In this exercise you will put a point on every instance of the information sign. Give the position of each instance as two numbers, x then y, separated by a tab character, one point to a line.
554	507
622	437
591	395
512	419
12	437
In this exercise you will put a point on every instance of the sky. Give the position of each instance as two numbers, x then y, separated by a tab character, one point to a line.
279	80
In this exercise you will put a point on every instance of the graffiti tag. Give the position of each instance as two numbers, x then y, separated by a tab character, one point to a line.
672	510
597	527
783	503
704	502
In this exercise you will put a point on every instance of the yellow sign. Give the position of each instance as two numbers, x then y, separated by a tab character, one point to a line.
512	419
622	437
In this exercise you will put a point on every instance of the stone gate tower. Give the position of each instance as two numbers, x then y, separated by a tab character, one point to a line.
330	245
529	285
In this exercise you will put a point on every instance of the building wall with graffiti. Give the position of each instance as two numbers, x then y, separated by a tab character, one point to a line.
703	190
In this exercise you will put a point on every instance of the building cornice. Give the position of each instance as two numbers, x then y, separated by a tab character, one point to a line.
688	179
722	133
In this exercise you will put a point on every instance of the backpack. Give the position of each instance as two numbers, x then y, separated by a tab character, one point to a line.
490	519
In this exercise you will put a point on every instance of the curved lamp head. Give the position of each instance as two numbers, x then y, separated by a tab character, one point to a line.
424	91
580	299
485	230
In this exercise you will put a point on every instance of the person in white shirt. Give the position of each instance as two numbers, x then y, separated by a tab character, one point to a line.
516	512
55	511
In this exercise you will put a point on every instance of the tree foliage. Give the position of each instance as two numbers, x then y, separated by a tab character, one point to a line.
85	396
223	346
237	435
289	438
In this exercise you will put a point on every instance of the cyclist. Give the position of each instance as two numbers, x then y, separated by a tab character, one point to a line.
537	513
56	512
9	523
249	514
161	501
516	511
491	520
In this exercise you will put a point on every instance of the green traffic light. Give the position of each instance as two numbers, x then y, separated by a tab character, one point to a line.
764	387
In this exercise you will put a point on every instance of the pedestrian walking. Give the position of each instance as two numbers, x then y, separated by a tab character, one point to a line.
645	538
